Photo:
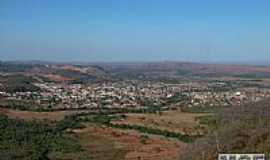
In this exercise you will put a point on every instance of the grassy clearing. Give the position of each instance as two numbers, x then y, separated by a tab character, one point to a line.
106	120
101	148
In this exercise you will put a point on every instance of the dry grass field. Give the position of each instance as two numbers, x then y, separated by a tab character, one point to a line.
175	121
30	115
110	144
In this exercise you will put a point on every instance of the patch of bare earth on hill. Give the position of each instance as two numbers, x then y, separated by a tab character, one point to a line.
175	121
30	115
127	145
56	78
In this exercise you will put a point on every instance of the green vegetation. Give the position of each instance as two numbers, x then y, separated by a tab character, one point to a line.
22	105
78	77
144	139
99	119
15	67
103	119
201	109
17	83
24	140
211	121
156	131
25	105
175	99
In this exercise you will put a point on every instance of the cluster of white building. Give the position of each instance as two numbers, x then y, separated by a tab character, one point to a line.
134	94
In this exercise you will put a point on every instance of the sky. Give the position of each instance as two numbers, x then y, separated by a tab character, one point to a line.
135	30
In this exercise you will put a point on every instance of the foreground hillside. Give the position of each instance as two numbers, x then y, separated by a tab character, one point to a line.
97	139
244	129
238	129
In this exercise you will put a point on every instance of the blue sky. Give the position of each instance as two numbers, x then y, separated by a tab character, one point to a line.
135	30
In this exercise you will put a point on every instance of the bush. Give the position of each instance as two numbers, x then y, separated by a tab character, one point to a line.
33	140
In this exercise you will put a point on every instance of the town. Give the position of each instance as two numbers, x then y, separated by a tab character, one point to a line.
137	94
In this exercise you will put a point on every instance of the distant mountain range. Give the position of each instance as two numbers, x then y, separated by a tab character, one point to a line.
74	71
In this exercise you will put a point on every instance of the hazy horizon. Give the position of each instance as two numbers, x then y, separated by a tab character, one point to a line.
140	31
33	61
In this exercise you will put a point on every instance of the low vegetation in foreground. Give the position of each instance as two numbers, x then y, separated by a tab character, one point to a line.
38	140
244	129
